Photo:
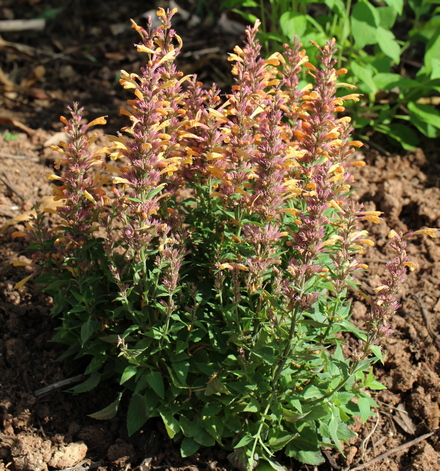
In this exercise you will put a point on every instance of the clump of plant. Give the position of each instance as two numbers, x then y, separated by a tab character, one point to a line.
380	42
207	270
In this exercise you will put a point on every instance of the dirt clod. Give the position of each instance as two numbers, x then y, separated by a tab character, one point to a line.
68	456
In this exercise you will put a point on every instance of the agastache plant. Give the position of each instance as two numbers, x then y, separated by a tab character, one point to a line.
205	265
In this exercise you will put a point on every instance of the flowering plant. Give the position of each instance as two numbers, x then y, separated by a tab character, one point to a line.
205	265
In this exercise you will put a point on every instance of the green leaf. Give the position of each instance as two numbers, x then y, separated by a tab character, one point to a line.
291	416
181	370
129	372
266	353
388	44
435	71
314	458
88	329
345	433
396	5
277	443
244	441
376	386
214	426
293	24
9	136
371	383
386	81
338	354
155	380
305	447
333	430
181	347
387	17
403	134
108	412
365	77
364	409
195	429
377	352
364	23
265	464
154	192
79	297
238	3
431	53
249	17
211	409
216	386
419	120
317	412
95	364
91	382
425	113
252	406
171	424
312	392
188	447
137	414
111	339
49	13
337	6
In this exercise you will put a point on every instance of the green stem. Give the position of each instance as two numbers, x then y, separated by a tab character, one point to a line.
331	320
278	371
257	438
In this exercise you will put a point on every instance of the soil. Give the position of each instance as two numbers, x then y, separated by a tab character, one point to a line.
77	57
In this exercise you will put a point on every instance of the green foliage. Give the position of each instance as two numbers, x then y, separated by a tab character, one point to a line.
378	54
207	275
9	136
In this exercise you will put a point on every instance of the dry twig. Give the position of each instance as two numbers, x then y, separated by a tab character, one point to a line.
427	318
22	25
59	384
5	180
18	157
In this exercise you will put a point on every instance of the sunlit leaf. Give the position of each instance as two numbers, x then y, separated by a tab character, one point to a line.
364	23
388	44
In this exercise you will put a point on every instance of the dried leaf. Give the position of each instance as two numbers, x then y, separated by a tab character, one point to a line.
402	418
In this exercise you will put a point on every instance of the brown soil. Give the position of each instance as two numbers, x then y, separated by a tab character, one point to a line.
76	58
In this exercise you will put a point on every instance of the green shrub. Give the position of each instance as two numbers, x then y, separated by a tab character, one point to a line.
399	106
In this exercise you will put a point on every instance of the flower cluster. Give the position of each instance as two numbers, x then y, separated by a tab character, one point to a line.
385	304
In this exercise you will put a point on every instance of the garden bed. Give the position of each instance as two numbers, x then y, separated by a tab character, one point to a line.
40	431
